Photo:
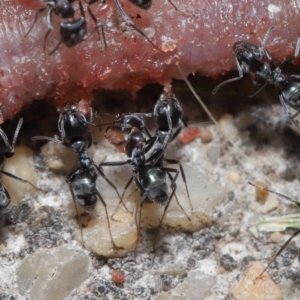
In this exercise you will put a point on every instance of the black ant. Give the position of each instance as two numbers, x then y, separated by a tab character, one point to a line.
8	151
290	238
263	71
76	134
151	181
71	32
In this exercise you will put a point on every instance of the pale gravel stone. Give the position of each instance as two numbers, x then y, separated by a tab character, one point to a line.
52	275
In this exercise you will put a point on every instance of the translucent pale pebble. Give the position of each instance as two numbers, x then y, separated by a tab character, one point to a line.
20	165
229	128
234	176
205	196
52	275
97	239
196	286
276	237
58	157
271	204
263	288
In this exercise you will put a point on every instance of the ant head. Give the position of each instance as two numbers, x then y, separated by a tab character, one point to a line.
65	10
168	104
72	33
248	55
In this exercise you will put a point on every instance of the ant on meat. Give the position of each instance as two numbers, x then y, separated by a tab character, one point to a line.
290	238
263	71
76	134
71	32
8	151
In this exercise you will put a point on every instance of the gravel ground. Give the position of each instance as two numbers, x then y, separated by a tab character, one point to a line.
42	256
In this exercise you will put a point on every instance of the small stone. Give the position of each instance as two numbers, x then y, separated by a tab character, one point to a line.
228	127
253	287
271	204
227	262
205	135
118	277
276	237
52	274
196	286
234	177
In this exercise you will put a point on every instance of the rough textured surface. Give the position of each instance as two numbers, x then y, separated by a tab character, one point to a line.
200	37
253	287
52	274
220	253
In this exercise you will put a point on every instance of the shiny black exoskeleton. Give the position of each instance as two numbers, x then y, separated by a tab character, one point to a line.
125	122
263	71
144	4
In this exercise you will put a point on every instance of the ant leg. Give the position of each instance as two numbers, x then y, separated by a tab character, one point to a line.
293	77
17	132
77	213
173	162
131	24
257	91
279	252
139	206
214	91
122	196
115	163
297	48
174	187
108	222
55	48
288	111
177	201
18	178
35	19
11	147
50	27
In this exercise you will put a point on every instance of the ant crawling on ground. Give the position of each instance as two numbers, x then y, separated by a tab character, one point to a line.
71	32
258	62
290	238
8	151
149	174
76	134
